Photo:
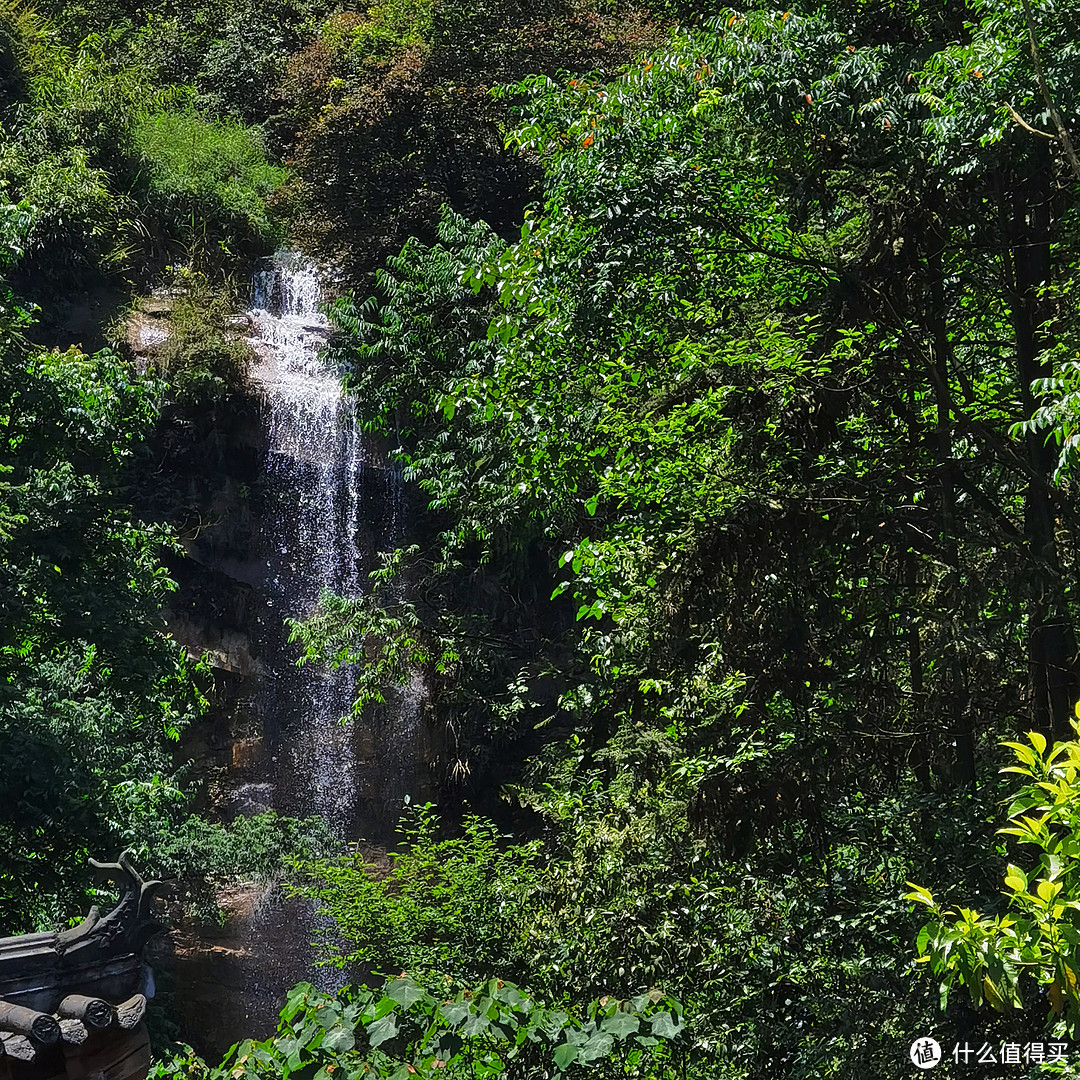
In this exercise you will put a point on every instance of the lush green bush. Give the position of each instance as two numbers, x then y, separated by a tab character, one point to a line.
61	146
197	857
448	904
1031	947
445	1032
113	154
245	56
91	694
207	172
390	28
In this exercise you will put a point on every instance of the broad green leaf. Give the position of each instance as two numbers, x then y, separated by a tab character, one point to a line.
383	1029
405	992
620	1024
666	1025
338	1040
565	1055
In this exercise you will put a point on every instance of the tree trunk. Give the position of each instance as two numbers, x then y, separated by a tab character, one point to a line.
1029	220
960	727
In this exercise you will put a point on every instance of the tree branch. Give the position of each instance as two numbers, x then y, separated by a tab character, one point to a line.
1026	126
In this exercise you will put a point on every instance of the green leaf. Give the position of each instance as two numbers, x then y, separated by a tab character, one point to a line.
455	1012
621	1024
565	1056
919	894
383	1029
1015	878
599	1046
666	1025
338	1040
405	992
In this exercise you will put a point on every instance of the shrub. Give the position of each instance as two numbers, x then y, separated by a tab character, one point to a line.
448	905
204	358
392	27
243	64
402	1031
1008	959
201	168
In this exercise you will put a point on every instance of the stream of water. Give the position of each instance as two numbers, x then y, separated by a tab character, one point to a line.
311	522
328	503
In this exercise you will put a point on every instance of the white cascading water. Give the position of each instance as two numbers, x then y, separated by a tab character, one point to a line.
311	525
325	503
310	506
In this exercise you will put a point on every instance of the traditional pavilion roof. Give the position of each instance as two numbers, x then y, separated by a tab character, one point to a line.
72	1002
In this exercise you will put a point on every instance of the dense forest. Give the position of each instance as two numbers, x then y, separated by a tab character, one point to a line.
729	364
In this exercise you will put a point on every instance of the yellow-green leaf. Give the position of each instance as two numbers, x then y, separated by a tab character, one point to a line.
918	893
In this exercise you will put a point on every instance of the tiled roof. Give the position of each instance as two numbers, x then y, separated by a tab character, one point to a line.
24	1033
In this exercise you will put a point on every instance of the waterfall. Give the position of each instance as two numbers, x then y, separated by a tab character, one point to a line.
326	503
311	523
317	511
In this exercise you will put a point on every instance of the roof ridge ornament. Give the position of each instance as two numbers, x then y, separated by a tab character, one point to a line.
129	925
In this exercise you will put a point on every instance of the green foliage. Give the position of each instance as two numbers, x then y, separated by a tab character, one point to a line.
494	1029
742	541
207	171
391	107
199	856
91	695
244	60
203	359
390	28
111	156
741	397
453	904
56	135
998	958
384	637
1058	415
